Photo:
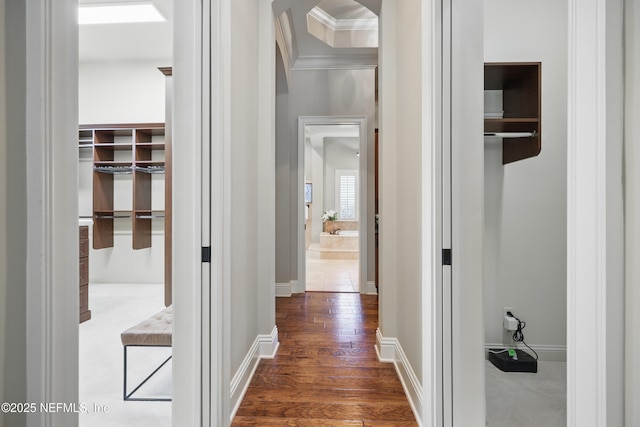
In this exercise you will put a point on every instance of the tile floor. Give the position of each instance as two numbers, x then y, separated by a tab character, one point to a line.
332	275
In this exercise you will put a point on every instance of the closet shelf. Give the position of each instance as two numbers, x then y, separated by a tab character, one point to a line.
138	150
517	85
511	134
150	169
150	215
107	214
114	169
112	146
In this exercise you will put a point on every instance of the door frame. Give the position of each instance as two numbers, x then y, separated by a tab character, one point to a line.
361	122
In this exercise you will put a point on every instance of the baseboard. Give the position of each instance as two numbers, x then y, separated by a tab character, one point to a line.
283	289
269	344
264	347
297	287
546	353
389	350
371	288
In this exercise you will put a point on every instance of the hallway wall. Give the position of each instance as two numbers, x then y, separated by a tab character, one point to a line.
252	163
400	144
317	93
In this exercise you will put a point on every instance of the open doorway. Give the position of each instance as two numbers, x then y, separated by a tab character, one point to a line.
124	155
332	205
525	215
332	151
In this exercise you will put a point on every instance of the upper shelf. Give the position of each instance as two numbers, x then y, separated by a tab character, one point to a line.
519	84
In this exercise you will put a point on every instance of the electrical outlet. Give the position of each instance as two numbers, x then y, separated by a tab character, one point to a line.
505	310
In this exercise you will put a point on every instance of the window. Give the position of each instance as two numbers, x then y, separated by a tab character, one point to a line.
347	194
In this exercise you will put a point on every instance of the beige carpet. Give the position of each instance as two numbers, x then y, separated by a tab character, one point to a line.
115	308
518	399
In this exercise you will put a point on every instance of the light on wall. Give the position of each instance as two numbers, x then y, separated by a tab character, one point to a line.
118	13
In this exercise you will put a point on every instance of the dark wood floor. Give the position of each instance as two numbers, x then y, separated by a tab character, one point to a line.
326	372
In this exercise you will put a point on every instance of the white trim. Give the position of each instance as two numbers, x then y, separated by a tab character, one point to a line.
269	344
297	287
361	122
335	62
389	350
191	403
548	353
284	289
467	210
263	347
586	216
52	208
284	39
432	399
362	24
371	288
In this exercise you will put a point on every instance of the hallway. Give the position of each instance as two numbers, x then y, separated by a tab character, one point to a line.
326	372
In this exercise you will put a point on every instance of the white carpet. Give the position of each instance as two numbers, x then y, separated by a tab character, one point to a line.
517	399
115	308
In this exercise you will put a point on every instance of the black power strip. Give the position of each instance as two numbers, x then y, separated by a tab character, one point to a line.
506	362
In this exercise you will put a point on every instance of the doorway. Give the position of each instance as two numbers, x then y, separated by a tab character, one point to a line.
333	186
515	192
121	97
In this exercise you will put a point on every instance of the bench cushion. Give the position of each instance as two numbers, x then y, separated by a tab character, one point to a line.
155	331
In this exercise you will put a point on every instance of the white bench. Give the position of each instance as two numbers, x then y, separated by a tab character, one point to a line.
156	331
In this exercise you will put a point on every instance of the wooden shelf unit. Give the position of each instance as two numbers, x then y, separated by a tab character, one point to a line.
124	149
168	188
85	313
520	83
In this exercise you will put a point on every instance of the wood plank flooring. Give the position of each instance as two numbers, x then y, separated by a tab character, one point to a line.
326	372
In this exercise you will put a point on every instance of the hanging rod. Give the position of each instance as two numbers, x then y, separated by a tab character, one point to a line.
511	134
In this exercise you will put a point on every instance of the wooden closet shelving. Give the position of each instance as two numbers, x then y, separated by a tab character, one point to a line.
124	149
520	83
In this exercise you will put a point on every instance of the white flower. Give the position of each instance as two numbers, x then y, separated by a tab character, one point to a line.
329	215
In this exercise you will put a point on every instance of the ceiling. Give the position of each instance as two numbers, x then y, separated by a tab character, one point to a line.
347	135
121	42
151	41
347	19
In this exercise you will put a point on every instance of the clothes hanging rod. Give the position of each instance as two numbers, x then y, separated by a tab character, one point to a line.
511	134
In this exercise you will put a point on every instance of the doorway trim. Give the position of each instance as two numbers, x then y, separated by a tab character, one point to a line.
361	122
51	203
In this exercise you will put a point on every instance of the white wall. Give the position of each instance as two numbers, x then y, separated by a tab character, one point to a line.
244	90
112	93
400	170
252	187
13	223
286	210
525	201
121	92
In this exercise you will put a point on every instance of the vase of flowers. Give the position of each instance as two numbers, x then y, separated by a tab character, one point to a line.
329	217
